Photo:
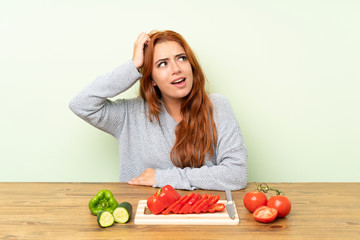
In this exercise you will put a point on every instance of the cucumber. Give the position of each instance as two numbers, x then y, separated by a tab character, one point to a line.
123	212
105	219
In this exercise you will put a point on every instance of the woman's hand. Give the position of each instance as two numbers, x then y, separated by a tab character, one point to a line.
140	43
146	178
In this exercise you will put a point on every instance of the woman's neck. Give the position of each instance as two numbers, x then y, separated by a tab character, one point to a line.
173	108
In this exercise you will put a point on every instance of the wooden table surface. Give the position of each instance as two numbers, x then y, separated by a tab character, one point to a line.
60	211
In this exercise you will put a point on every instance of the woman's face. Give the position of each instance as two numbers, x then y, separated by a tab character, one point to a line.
171	71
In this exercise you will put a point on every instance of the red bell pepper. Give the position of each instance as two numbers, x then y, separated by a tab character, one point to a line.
204	203
218	207
203	197
162	199
172	206
181	204
206	206
212	202
185	209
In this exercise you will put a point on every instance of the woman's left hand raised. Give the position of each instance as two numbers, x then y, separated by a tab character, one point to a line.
146	178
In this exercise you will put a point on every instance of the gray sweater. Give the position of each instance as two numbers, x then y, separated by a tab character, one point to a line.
144	144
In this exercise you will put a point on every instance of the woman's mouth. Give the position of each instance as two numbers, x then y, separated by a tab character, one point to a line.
178	81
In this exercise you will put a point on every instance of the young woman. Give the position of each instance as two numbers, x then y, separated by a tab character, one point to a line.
173	133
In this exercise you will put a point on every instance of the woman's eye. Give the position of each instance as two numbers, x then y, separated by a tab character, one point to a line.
162	64
182	58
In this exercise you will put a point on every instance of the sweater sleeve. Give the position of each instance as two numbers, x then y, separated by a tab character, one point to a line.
92	103
229	169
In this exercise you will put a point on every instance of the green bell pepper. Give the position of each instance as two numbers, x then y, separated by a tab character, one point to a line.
103	200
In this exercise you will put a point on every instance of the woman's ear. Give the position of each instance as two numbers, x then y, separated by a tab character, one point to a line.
153	83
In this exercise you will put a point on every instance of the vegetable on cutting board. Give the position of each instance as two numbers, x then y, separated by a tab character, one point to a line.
162	199
123	212
103	200
105	218
167	200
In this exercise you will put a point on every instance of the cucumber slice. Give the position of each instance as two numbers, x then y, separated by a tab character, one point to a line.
105	219
123	212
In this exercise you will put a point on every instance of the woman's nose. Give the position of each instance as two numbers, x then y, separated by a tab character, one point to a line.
175	68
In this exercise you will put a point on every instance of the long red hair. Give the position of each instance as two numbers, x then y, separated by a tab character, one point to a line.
196	135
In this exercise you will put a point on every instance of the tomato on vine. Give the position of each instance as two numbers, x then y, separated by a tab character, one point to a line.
265	210
254	200
281	204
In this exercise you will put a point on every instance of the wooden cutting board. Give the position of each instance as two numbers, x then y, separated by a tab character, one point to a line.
145	217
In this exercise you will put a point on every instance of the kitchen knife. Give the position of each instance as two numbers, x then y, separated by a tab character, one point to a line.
230	204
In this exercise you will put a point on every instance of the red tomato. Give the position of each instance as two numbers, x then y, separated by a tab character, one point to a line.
255	199
265	214
281	204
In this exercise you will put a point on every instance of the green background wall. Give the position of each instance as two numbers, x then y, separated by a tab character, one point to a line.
289	68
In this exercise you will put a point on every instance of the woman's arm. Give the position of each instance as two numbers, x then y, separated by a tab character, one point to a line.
92	103
230	168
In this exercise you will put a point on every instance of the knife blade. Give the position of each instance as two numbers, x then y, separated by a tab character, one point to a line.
230	204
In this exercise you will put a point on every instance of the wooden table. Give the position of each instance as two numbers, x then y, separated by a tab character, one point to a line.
60	211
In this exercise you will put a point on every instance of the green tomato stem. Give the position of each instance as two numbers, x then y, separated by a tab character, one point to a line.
263	187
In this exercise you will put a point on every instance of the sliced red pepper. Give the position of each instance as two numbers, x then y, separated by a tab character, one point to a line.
177	209
203	204
195	203
169	200
203	197
197	210
206	206
213	201
185	209
218	207
169	209
162	199
181	204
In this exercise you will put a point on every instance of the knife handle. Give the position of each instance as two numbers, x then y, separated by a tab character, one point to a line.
228	195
